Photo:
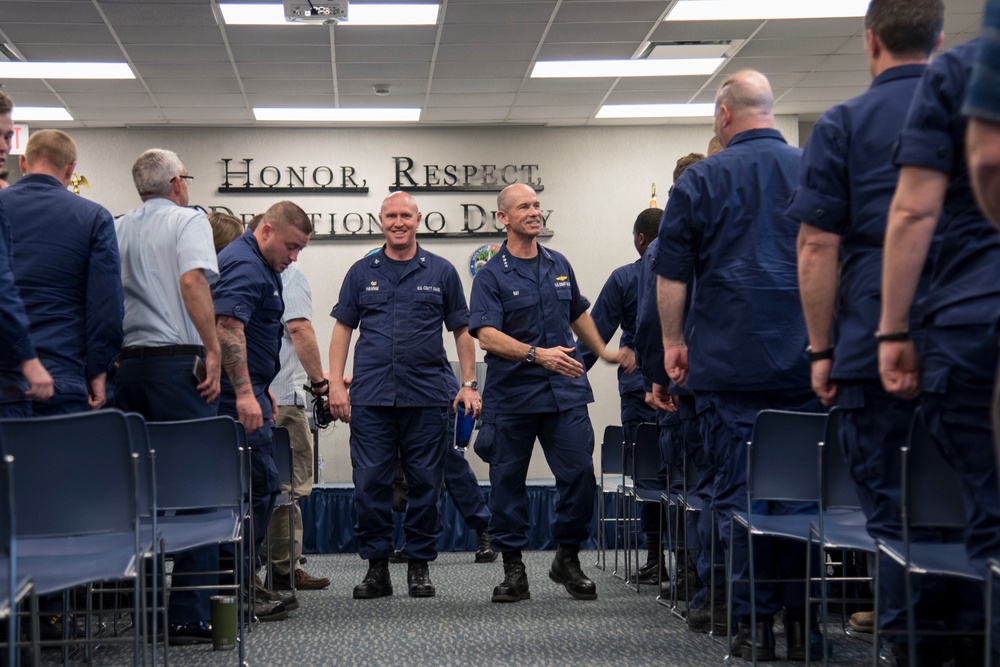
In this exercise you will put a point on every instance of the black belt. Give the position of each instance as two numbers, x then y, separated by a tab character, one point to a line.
163	351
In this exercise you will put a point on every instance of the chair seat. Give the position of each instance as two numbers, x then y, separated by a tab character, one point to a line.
791	526
949	559
647	495
187	531
845	530
55	564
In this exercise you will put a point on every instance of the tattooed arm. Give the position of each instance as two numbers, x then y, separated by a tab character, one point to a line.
233	341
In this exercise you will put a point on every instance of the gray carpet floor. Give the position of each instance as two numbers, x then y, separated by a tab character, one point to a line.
462	627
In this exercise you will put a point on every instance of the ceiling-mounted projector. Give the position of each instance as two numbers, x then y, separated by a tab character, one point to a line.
315	11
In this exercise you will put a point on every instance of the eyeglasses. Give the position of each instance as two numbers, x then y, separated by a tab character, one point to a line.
186	177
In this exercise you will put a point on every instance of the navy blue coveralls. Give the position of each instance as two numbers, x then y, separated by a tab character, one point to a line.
522	401
616	307
400	395
68	275
725	228
959	356
15	340
681	428
250	291
848	180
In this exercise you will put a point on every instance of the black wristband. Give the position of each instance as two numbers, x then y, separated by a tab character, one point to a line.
894	337
819	355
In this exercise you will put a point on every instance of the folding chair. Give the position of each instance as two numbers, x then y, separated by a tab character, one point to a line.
840	525
13	585
283	462
939	504
781	456
611	465
198	467
646	488
85	528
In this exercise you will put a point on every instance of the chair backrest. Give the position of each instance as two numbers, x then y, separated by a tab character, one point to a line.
8	545
283	454
146	484
932	494
836	484
646	453
783	456
197	463
75	474
611	451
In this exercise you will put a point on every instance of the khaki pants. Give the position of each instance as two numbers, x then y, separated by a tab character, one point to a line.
294	419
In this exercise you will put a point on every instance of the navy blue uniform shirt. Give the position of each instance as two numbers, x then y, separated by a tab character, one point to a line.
68	274
14	339
399	359
967	265
648	335
250	291
615	307
848	179
507	296
725	227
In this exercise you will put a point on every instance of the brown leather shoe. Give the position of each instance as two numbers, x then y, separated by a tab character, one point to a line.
303	582
306	582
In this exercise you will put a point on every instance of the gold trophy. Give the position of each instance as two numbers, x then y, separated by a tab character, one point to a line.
652	202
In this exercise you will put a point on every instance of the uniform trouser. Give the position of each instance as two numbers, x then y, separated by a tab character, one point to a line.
505	442
13	402
284	560
464	489
727	423
417	438
699	525
873	427
264	487
162	389
958	376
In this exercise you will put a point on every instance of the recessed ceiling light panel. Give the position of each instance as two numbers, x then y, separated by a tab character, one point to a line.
554	69
656	111
245	13
64	70
760	10
25	114
333	115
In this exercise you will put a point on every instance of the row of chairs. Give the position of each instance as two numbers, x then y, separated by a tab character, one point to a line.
784	447
94	497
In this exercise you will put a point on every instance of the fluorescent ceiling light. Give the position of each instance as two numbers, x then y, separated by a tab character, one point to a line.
657	110
242	13
22	114
335	115
554	69
64	70
738	10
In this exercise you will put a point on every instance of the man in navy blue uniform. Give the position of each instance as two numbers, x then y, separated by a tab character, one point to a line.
614	308
724	228
847	182
526	306
66	266
953	371
982	106
23	378
401	400
248	311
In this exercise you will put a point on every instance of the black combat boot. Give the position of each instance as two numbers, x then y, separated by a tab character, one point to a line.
514	586
376	583
566	571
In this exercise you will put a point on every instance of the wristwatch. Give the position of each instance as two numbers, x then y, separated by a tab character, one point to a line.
471	384
529	356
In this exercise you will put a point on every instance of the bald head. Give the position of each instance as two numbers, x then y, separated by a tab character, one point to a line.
399	198
509	193
744	102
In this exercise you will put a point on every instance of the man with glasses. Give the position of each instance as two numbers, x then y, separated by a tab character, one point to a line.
168	262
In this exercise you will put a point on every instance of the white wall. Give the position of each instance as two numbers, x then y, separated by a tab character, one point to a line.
596	180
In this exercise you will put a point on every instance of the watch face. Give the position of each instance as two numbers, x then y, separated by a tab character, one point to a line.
472	384
530	356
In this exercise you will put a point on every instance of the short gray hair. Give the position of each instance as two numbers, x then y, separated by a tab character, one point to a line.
153	172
